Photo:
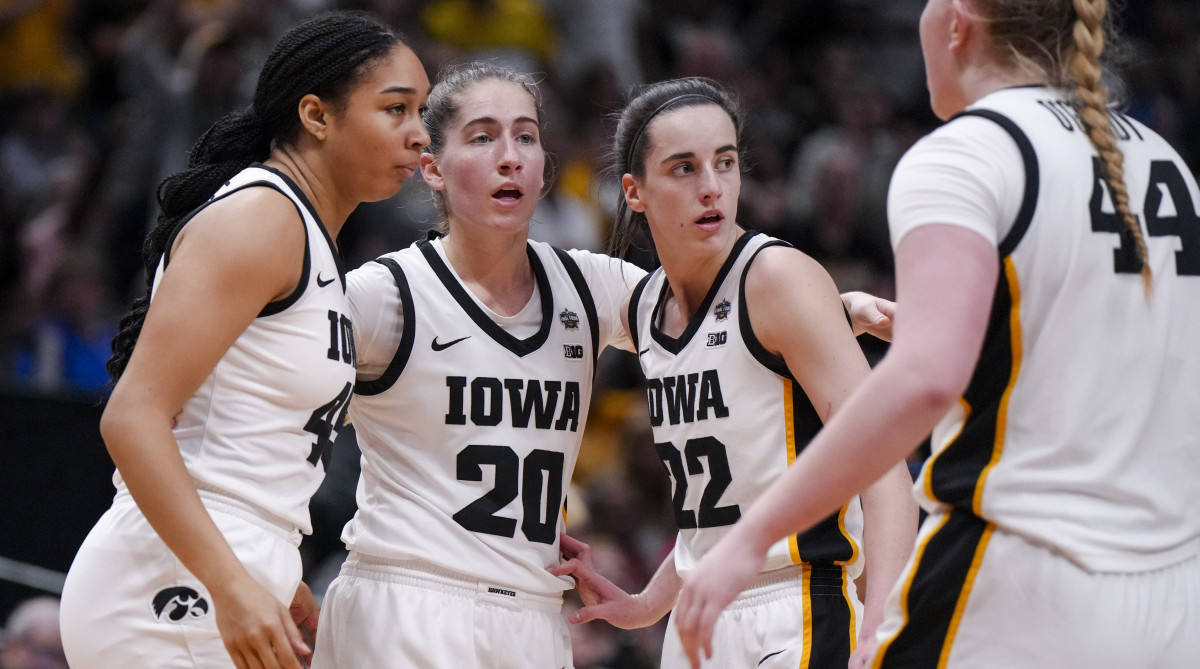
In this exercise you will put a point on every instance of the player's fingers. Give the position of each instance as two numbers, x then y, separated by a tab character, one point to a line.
886	307
567	568
574	548
289	644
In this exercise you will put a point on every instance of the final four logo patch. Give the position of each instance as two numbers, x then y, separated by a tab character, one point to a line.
569	319
721	311
179	602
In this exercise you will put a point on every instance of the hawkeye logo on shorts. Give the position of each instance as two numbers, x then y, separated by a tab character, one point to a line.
569	319
501	591
179	602
716	339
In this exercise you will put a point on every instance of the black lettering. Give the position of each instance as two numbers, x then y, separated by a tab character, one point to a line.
541	408
680	394
654	395
335	348
1066	120
347	341
487	401
710	396
569	418
457	386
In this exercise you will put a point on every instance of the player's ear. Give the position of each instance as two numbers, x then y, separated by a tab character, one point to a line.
314	116
633	198
431	172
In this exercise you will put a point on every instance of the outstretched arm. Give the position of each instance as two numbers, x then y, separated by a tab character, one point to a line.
945	279
869	314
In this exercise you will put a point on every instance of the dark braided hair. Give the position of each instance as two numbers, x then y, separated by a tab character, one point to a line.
325	56
631	143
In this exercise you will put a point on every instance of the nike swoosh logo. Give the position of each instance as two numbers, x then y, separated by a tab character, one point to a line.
322	283
767	657
437	346
643	351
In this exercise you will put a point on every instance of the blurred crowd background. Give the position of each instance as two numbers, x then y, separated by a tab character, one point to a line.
101	99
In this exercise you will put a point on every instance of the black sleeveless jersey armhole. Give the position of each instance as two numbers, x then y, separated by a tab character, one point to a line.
585	294
773	362
634	298
404	349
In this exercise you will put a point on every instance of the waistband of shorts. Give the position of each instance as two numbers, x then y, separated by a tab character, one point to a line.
218	500
823	579
422	574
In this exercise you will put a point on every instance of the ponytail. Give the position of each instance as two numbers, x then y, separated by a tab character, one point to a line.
325	56
1085	72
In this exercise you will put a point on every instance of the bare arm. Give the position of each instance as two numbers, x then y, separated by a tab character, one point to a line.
945	279
806	326
604	600
230	261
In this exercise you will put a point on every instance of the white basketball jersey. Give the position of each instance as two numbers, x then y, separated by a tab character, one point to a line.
260	426
470	436
1080	428
728	418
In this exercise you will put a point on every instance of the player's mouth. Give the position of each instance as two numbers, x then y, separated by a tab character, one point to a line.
712	217
509	195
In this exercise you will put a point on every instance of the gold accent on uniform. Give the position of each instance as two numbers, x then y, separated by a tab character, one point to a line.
1014	326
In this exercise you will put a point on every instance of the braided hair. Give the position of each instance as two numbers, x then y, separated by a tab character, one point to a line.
325	56
1066	41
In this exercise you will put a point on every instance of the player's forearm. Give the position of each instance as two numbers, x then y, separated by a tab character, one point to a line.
659	595
881	422
146	454
890	529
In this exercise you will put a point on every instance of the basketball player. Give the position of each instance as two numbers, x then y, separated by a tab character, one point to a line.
1048	273
476	351
223	413
746	353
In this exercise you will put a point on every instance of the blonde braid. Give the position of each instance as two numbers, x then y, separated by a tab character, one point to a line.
1085	69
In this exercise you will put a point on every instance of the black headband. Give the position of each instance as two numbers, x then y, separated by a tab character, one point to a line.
638	136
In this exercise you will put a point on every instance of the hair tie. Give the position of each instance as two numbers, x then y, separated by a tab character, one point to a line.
638	136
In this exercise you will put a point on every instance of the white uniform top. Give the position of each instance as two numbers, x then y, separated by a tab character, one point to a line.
260	426
470	425
728	418
1081	425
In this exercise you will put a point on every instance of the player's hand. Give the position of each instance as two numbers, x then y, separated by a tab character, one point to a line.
603	599
724	572
870	314
864	652
257	629
304	611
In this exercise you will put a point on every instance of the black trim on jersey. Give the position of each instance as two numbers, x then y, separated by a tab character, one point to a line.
939	577
521	347
409	334
333	249
1032	177
956	471
634	298
674	345
585	294
771	361
277	306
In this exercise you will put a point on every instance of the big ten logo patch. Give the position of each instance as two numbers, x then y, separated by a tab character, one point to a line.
716	339
573	351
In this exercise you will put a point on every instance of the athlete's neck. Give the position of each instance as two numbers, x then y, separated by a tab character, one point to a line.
498	274
331	207
691	272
